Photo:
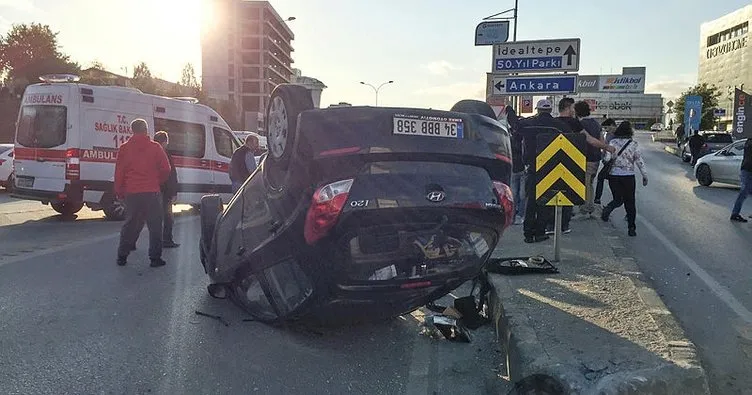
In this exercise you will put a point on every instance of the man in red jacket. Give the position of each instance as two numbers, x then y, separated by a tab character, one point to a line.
141	168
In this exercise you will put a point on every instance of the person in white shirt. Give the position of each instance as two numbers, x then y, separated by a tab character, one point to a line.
621	178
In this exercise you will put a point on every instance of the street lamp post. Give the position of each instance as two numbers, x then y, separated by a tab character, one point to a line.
376	90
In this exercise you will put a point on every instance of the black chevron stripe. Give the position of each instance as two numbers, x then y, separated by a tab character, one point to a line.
563	187
569	163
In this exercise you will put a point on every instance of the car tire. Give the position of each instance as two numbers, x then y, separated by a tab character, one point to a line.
211	208
471	106
67	208
286	102
685	158
703	175
113	208
10	183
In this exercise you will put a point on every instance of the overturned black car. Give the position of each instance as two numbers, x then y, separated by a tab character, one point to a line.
360	210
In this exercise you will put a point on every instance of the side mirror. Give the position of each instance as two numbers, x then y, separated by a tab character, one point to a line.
218	291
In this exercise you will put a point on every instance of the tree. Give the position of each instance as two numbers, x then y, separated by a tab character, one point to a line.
709	94
97	65
29	51
189	77
142	78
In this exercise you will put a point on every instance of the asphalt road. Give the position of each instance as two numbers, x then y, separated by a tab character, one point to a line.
699	262
71	321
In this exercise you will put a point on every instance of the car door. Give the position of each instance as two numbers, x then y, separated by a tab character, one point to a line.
188	147
728	162
224	145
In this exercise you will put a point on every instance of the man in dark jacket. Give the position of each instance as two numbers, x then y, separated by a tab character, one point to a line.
746	186
169	193
518	166
243	162
542	123
695	146
141	168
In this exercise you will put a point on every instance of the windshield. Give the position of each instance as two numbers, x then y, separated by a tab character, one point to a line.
42	126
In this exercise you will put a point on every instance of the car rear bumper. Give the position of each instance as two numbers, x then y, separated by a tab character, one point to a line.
72	192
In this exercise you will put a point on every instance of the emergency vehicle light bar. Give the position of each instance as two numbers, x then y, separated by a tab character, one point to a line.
188	99
51	78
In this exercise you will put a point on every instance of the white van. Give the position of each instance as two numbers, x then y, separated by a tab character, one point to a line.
68	134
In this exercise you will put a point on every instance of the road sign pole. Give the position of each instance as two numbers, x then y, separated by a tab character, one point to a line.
557	234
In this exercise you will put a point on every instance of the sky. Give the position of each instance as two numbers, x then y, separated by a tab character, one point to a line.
425	46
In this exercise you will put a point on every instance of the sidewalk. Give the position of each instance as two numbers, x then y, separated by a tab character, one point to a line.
596	326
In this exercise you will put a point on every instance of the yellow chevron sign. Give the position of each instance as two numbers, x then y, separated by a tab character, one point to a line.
560	169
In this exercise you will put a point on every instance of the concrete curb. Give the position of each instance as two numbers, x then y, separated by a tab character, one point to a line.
526	355
672	150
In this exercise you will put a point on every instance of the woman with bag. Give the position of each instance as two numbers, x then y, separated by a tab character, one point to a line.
620	168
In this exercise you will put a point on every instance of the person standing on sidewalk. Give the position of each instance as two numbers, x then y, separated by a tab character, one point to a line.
609	126
542	123
141	168
745	174
622	178
592	154
243	162
169	193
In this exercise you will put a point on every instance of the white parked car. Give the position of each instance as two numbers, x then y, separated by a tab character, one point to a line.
6	165
657	127
722	166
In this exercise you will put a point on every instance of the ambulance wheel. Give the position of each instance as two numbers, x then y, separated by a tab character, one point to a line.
211	208
474	107
114	208
67	208
287	101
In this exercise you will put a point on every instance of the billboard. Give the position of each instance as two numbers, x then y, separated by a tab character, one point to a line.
625	83
621	83
692	113
742	126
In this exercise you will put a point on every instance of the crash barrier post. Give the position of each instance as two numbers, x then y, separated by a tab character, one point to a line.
560	176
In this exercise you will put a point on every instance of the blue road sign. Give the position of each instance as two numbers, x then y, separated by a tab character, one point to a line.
534	84
692	113
539	63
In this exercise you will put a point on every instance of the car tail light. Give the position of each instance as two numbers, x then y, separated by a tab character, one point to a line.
326	206
72	164
2	161
506	200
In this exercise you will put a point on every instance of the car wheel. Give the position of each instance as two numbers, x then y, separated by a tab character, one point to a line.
211	208
686	158
114	208
67	208
287	101
474	107
704	177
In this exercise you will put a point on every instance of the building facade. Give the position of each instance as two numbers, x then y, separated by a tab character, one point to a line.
246	51
725	58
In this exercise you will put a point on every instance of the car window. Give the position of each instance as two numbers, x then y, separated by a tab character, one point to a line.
186	139
42	126
718	138
224	141
737	149
3	149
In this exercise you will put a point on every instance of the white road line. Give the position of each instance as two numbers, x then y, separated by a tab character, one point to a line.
719	290
77	244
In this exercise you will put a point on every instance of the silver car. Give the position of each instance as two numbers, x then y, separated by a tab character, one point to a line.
722	166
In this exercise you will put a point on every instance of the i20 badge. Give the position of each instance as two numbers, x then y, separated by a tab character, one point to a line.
435	196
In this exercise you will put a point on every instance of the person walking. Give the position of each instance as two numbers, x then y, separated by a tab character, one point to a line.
243	162
140	170
745	175
169	193
608	126
593	155
695	146
621	180
534	226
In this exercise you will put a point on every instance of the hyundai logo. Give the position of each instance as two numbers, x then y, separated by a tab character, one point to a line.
435	196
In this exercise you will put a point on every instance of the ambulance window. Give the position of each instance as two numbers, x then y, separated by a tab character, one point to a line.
224	141
186	139
42	126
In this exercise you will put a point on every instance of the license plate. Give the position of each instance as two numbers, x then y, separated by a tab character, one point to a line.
427	126
25	182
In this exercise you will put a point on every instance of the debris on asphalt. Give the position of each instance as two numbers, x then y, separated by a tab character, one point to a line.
215	317
450	328
521	265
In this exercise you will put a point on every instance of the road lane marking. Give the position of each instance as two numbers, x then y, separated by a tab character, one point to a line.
719	290
54	250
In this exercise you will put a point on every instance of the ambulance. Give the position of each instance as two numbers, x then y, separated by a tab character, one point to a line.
68	135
